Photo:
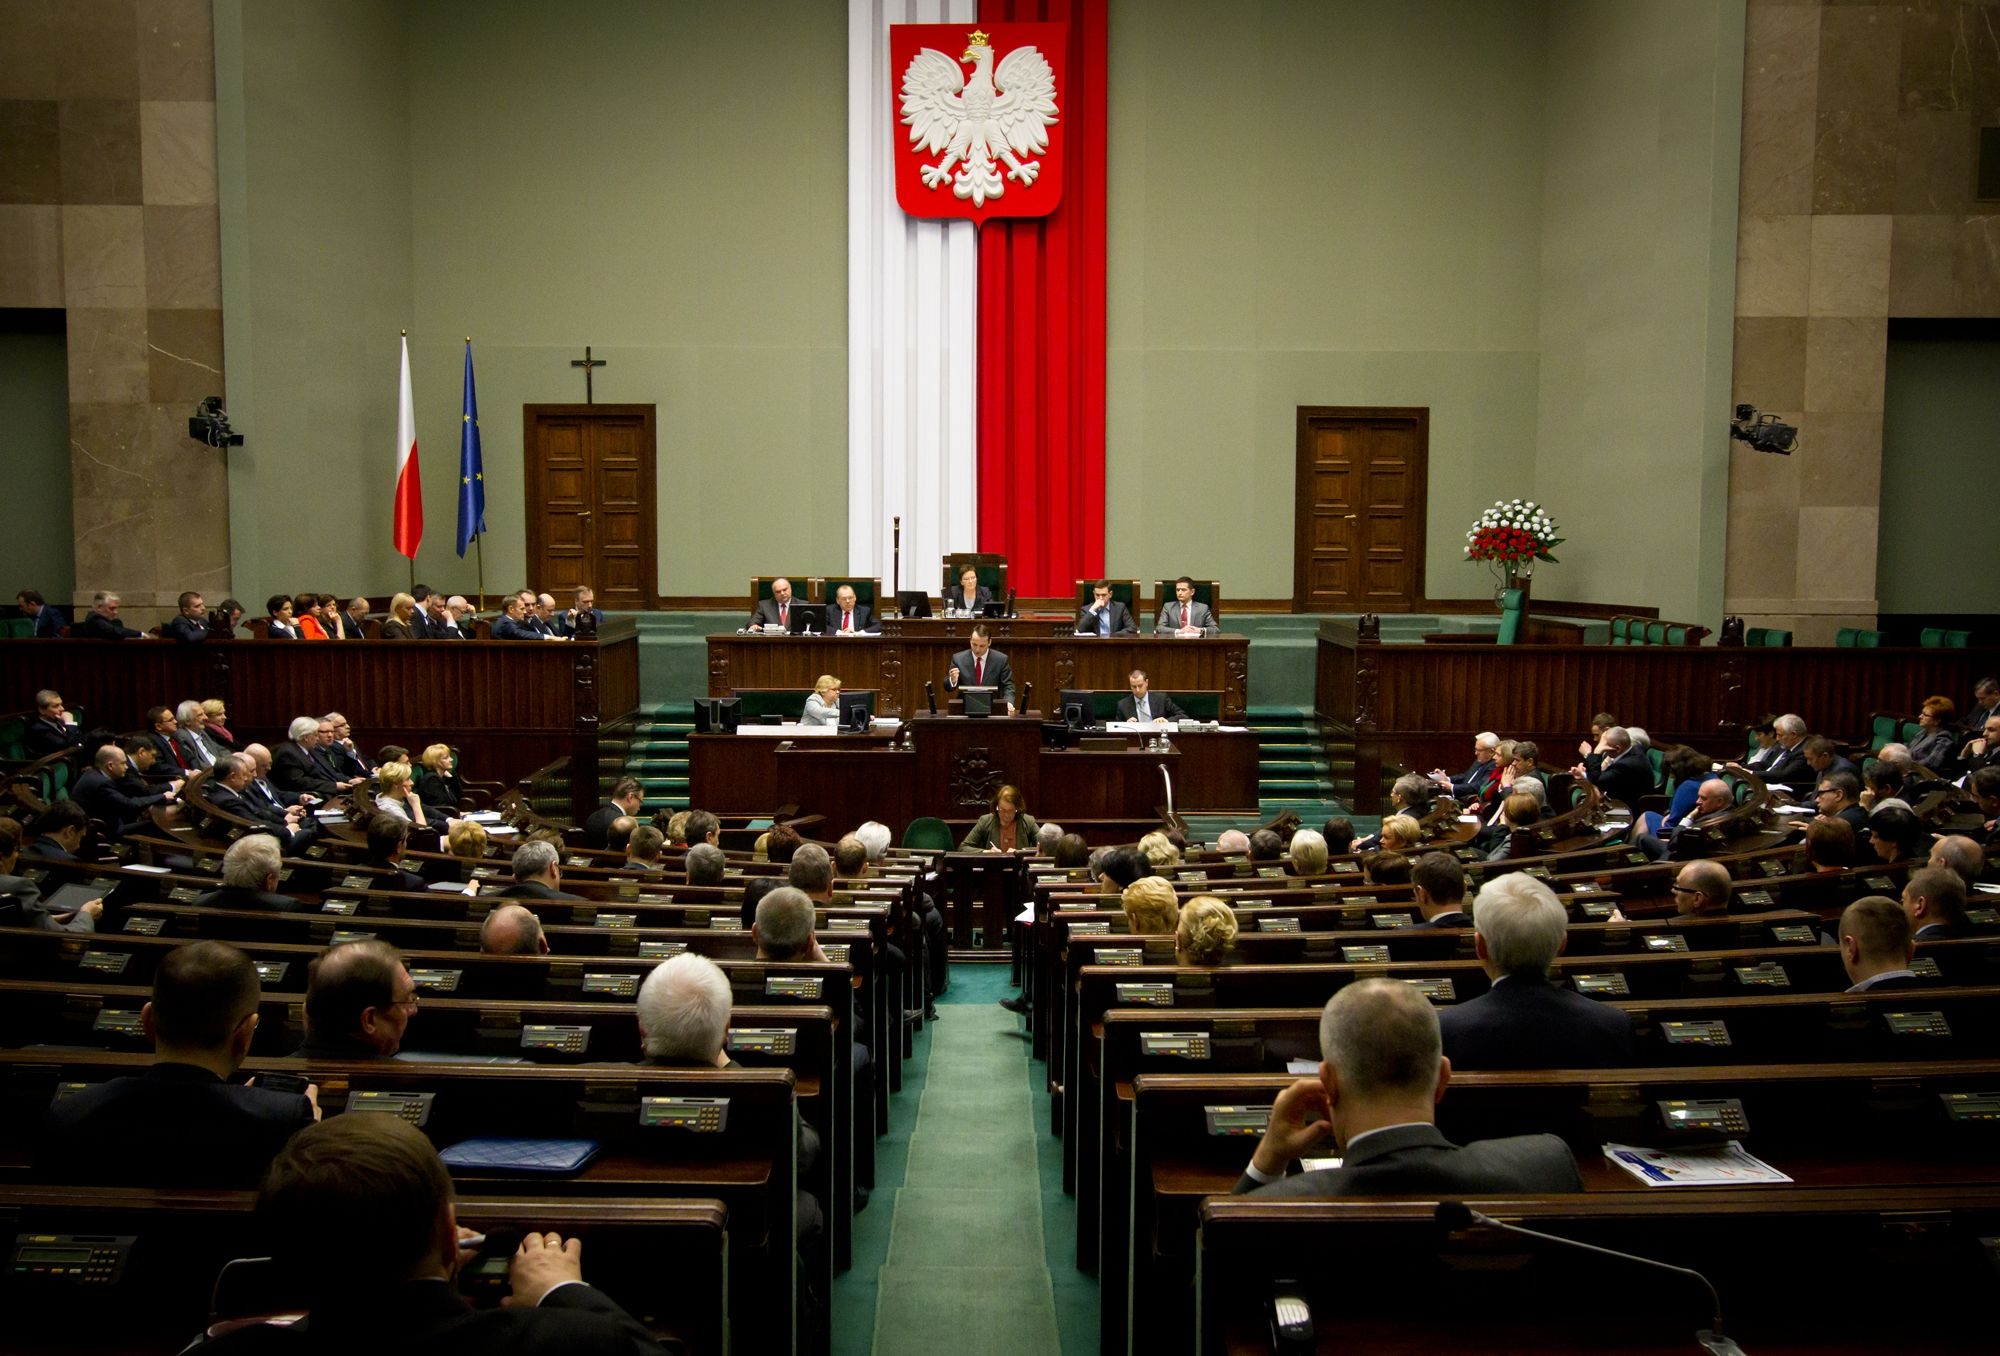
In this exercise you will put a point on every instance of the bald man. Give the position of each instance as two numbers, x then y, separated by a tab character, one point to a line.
513	930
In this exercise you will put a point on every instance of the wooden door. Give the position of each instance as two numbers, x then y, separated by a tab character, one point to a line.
1358	542
589	474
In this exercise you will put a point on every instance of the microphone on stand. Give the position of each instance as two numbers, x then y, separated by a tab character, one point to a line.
1457	1215
930	695
1027	698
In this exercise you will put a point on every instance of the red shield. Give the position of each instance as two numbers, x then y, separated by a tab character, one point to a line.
978	118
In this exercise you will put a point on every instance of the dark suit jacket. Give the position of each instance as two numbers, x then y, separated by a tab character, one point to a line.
1789	768
1121	620
243	897
864	618
1471	784
1626	778
534	889
21	907
767	612
437	793
277	630
296	771
171	760
1418	1160
174	1125
506	628
566	624
999	673
42	738
955	598
597	828
1525	1023
49	622
430	1317
1161	703
252	807
347	762
105	800
185	629
1455	919
97	627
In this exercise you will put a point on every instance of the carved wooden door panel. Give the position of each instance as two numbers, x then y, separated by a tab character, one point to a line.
589	480
1359	532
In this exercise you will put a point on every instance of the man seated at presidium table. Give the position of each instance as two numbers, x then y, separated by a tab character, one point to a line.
1184	616
775	612
1104	615
1145	704
847	616
980	665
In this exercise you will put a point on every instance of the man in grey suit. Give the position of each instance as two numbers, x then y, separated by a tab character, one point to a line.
775	612
1382	1074
982	666
1184	616
1105	615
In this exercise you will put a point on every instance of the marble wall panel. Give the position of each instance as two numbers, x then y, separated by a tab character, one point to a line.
1934	161
176	49
1840	459
1780	94
184	349
1923	252
1850	266
1772	265
97	49
1837	548
1770	369
1846	358
100	151
30	151
184	257
29	70
1975	270
31	255
179	150
107	356
114	459
104	256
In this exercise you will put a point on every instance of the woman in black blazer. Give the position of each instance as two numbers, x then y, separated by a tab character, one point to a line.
970	595
437	783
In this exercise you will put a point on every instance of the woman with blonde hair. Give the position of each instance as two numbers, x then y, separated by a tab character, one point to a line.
402	607
1151	907
217	713
393	795
437	784
466	838
1401	833
1207	929
1159	851
823	706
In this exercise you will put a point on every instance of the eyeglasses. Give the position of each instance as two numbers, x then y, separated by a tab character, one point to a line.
1826	791
1685	890
410	1003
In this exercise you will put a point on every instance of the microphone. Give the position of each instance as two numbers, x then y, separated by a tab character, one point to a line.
1028	697
1457	1215
930	695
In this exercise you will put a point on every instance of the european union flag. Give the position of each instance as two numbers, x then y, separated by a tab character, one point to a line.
471	467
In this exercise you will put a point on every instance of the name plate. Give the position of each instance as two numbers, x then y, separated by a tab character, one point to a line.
316	852
145	927
1174	1044
342	936
1596	910
1271	872
182	894
562	1040
793	986
1754	899
1096	929
724	923
1704	1116
1972	1108
661	950
1437	990
1385	921
1695	1033
615	920
344	908
1287	923
355	882
1636	859
699	1115
764	1040
272	972
836	952
1078	905
1667	942
846	925
119	1023
1927	967
1985	918
1881	883
105	962
1234	1121
1771	868
1115	955
1769	975
1145	995
1347	868
614	986
1918	1025
1365	955
413	1107
437	981
1794	934
1603	986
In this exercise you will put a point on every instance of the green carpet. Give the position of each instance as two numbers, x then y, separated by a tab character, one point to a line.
967	1265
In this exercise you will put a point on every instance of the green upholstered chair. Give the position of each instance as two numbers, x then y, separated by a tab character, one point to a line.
992	572
926	834
1676	634
1882	729
1656	633
1513	607
1931	638
1957	640
866	590
1768	637
1207	591
1857	638
1125	591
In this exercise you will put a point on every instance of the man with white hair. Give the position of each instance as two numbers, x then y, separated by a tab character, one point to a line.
875	837
1308	853
198	747
1470	784
1233	841
293	767
937	943
1623	775
1046	837
250	878
1374	1102
1787	765
1524	1021
101	622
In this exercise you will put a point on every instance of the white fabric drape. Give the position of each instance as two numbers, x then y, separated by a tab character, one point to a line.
912	304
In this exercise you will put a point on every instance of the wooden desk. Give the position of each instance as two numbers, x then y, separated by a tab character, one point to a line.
898	661
954	765
509	706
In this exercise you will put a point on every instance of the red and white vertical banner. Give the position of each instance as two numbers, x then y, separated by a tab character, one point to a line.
407	528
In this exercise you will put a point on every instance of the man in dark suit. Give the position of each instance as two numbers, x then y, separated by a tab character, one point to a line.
1838	796
1623	774
101	622
49	621
1822	755
293	767
1523	1021
1876	946
514	624
1104	615
232	788
1183	615
626	798
340	751
980	665
181	1123
250	878
387	837
1470	785
21	899
584	614
99	791
1375	1102
53	729
1437	883
191	626
846	614
775	612
360	1214
1788	765
1934	902
359	998
1146	704
537	874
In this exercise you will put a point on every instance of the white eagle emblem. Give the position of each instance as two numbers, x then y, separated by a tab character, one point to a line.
973	121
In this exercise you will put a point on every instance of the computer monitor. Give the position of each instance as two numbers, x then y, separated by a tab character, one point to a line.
978	700
993	611
857	711
913	603
808	618
717	715
1078	707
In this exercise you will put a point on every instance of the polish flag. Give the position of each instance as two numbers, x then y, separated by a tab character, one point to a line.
408	528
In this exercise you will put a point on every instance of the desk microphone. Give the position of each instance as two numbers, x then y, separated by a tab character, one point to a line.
930	695
1027	698
1457	1215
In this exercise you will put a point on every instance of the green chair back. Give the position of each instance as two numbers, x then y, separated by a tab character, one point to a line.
1912	731
1931	638
1658	762
12	734
1677	635
1656	633
992	572
1767	636
1512	605
760	587
1854	637
865	590
1881	730
1125	591
1957	640
1621	630
17	628
927	834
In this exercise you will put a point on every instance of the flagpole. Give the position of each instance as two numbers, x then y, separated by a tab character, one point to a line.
479	551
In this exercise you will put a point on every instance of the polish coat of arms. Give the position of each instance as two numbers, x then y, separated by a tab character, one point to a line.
978	136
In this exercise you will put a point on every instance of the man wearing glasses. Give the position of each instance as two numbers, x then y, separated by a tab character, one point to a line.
1702	889
359	1001
1839	797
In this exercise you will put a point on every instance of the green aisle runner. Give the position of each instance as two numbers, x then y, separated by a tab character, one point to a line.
967	1270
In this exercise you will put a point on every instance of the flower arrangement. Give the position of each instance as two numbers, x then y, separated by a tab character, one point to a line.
1512	533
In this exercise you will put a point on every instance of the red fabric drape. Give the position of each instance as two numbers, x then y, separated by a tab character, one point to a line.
1041	340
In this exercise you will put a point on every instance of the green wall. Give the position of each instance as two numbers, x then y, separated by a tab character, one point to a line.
664	182
35	456
1940	447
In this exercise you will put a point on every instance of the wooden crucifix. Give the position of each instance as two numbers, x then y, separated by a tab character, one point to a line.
586	362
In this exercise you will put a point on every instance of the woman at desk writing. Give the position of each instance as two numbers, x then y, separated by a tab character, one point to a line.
823	703
1007	828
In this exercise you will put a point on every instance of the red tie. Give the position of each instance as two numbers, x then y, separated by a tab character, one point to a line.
979	672
783	609
1184	612
847	621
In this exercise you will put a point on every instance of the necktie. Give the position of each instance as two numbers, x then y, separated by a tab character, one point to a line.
847	621
174	747
784	614
1184	615
979	672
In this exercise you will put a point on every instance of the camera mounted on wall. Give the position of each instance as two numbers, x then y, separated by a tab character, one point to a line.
210	425
1763	432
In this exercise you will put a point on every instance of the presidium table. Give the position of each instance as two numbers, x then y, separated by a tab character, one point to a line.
948	766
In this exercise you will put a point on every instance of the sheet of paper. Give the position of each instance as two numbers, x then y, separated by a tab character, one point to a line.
1302	1066
1710	1165
148	870
1316	1164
